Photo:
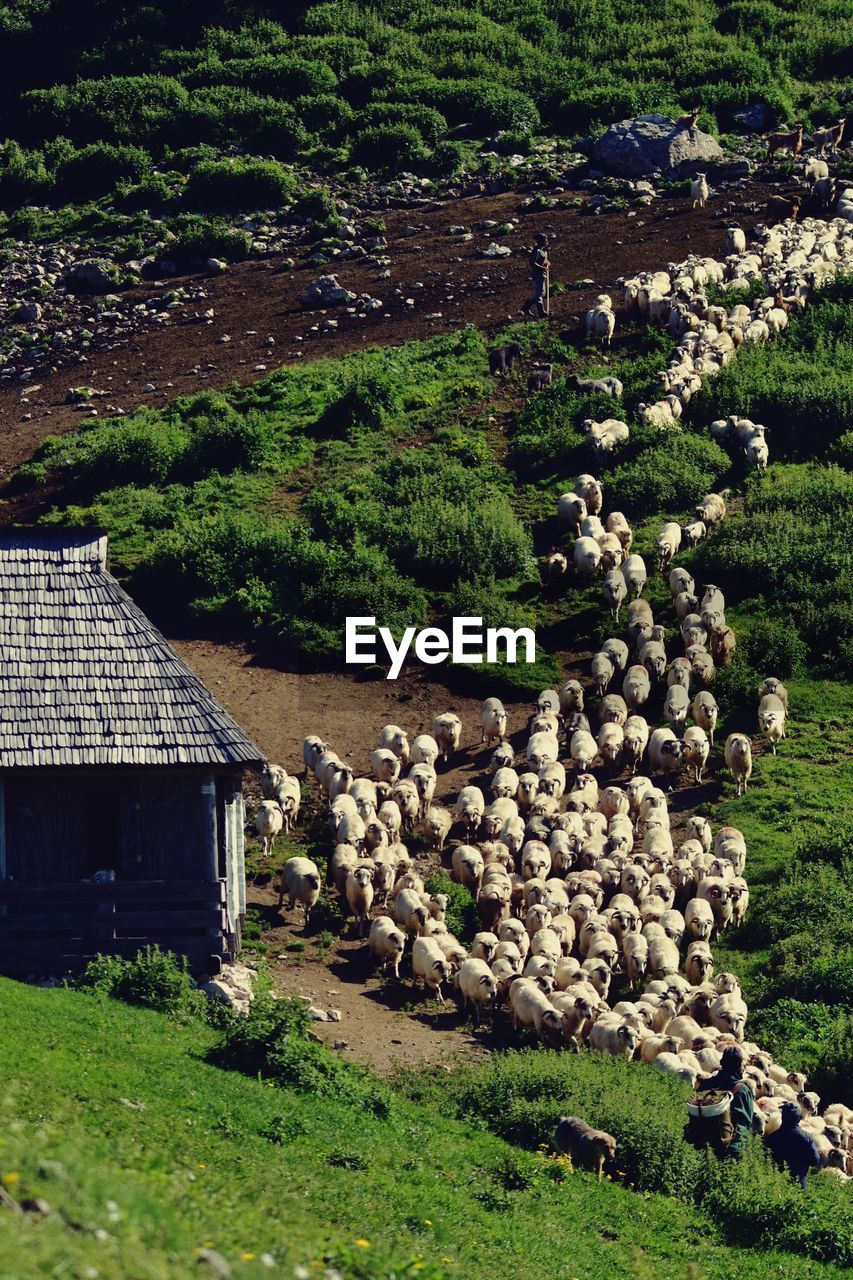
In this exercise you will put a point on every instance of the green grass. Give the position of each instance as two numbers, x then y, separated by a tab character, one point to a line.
114	1117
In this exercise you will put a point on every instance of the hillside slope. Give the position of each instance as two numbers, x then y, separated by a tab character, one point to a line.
145	1154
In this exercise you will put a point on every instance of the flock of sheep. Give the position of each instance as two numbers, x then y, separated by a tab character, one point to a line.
791	258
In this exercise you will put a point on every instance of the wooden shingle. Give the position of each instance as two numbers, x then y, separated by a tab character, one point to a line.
85	678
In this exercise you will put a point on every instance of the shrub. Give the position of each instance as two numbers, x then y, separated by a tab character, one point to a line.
272	1041
672	475
390	146
324	114
228	115
462	917
318	204
197	238
369	402
151	193
430	124
143	449
275	74
96	169
221	439
23	175
153	978
447	159
232	185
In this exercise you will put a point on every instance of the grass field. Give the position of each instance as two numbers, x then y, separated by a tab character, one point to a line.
146	1153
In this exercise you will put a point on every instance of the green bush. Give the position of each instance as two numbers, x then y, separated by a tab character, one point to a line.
670	476
430	124
462	918
275	74
389	146
318	205
812	1037
153	978
370	402
23	176
325	114
447	159
153	192
221	439
199	238
95	169
231	185
142	449
271	1041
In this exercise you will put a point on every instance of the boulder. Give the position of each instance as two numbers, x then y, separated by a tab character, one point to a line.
756	118
326	292
631	148
89	277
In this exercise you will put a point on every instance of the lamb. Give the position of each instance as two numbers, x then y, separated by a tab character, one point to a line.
300	879
501	359
468	867
477	986
430	965
668	542
494	719
771	719
387	944
446	734
556	566
699	190
437	822
586	1147
665	753
269	821
738	754
636	686
359	894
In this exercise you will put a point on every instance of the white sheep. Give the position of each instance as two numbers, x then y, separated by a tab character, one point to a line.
738	754
430	965
600	323
437	824
771	719
705	711
385	765
269	821
667	544
470	807
587	556
300	879
477	986
634	572
697	748
699	191
494	720
571	510
359	894
447	732
395	739
387	943
425	750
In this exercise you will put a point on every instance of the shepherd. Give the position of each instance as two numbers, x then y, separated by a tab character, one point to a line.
540	274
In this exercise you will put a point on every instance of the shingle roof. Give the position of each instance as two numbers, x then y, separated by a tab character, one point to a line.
85	678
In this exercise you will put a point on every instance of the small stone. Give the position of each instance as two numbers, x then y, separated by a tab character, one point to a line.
340	1044
333	1015
316	1014
148	388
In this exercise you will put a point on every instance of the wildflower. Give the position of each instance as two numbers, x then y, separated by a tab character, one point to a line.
202	1166
247	1257
301	1273
362	1243
11	1179
427	1222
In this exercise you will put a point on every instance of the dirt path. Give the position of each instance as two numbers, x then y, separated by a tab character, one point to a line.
255	301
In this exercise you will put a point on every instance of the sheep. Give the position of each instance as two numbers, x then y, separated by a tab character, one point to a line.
387	944
711	510
300	879
738	753
652	1045
609	740
501	359
699	963
552	779
555	567
699	919
359	894
533	1011
613	709
612	551
602	670
447	732
410	911
437	824
704	711
592	492
633	570
430	965
604	437
607	386
587	556
697	748
395	739
636	686
586	1147
692	532
600	324
571	510
269	821
673	1064
728	1014
494	720
735	239
772	685
771	719
470	807
635	740
699	190
715	891
385	765
468	867
667	544
665	753
271	776
541	749
477	986
676	705
609	1035
635	957
312	749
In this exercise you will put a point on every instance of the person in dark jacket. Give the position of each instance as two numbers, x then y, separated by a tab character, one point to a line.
540	270
791	1147
730	1079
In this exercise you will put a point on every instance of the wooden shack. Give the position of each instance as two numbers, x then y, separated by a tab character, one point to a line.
121	804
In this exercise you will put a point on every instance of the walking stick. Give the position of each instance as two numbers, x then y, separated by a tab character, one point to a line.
548	292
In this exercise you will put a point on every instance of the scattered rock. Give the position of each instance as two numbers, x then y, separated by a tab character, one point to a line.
497	251
638	146
216	266
28	313
89	277
326	292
